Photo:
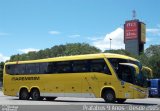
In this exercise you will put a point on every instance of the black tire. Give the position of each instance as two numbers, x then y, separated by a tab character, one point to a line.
24	94
35	94
50	98
109	96
121	100
150	96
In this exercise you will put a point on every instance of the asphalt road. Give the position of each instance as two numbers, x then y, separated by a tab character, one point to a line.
77	104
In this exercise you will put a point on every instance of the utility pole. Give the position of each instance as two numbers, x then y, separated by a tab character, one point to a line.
134	15
110	43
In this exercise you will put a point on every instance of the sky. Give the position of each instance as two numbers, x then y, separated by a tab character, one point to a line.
33	25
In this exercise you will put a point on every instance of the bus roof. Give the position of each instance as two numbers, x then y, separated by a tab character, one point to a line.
76	57
112	55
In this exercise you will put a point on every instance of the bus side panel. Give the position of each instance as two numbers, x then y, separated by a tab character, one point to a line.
51	85
61	85
140	92
73	85
12	87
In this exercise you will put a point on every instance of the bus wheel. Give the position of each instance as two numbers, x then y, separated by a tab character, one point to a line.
35	94
121	100
109	96
24	94
50	98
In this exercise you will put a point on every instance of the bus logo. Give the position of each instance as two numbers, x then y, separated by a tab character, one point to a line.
24	78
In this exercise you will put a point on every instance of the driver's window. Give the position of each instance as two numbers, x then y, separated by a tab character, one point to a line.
126	73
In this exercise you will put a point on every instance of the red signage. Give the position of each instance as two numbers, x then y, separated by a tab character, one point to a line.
131	30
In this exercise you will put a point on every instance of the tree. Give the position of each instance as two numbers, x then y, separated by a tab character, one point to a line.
56	51
154	64
119	51
153	50
151	58
153	54
78	48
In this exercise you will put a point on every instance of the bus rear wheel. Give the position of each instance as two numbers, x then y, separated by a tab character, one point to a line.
35	94
109	96
24	94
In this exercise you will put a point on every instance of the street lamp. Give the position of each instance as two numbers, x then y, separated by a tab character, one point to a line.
110	43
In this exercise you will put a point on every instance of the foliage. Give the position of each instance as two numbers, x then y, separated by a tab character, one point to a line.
153	54
153	50
119	51
58	50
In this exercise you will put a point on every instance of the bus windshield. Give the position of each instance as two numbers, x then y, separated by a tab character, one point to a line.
126	75
141	79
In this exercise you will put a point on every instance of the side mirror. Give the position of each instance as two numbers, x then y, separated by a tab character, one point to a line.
127	72
134	68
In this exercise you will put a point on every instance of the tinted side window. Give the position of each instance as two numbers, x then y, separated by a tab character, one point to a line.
99	65
80	66
51	68
126	74
10	69
15	69
115	62
32	69
43	68
19	69
63	67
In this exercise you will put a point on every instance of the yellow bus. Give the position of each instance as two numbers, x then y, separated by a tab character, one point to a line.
112	77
